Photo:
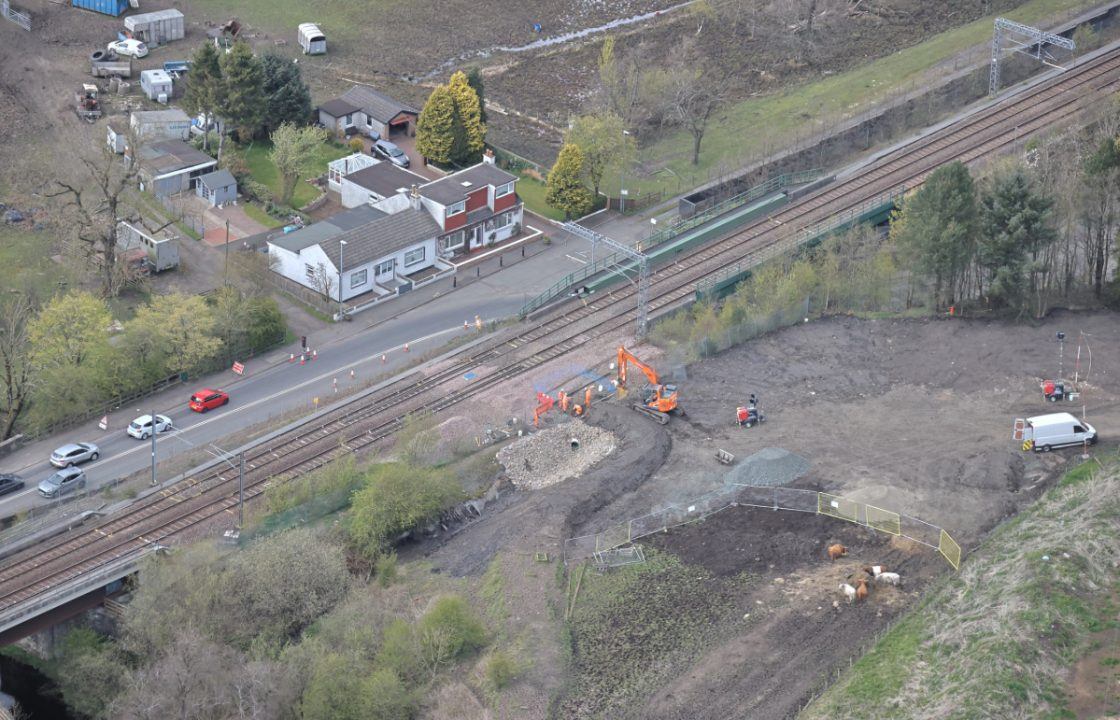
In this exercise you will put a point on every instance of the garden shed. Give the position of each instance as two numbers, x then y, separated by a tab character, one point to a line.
217	188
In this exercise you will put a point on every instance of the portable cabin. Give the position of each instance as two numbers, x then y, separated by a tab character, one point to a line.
105	7
156	84
312	39
156	28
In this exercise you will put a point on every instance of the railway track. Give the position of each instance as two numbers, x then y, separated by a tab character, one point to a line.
363	422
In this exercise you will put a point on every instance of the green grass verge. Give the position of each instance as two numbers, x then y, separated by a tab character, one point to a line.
263	171
256	213
532	193
807	108
998	639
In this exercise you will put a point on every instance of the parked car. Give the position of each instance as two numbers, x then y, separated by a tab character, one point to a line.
392	153
10	483
128	47
141	427
207	399
74	454
62	482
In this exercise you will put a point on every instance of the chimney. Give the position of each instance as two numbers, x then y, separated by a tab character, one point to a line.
488	157
414	196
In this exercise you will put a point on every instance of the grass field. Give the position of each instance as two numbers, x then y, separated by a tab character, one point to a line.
532	192
263	171
999	639
751	127
260	215
27	257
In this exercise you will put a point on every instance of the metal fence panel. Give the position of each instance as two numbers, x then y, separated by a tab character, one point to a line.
950	549
612	537
883	520
839	507
756	496
794	499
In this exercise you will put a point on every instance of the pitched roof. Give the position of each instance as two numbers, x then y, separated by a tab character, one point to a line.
378	106
218	178
382	237
334	225
385	179
339	107
169	156
451	189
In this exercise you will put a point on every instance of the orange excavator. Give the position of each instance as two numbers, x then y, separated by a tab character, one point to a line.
658	401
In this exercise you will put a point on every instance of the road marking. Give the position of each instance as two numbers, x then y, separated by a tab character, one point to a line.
576	260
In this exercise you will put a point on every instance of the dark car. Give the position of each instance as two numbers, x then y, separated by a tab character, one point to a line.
392	153
10	484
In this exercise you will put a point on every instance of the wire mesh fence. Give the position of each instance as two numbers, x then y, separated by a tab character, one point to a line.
770	498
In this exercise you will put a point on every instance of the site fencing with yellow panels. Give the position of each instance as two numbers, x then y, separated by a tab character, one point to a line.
772	498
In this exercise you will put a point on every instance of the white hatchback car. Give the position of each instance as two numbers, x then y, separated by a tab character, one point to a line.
135	48
141	427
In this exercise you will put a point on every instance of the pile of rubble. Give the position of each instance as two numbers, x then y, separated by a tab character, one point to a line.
556	454
770	467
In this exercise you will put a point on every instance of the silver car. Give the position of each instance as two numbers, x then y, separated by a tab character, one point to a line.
74	454
62	482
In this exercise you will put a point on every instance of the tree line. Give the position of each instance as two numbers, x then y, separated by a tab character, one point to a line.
59	360
289	626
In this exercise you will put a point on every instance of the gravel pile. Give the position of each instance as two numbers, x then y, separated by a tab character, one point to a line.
770	467
546	458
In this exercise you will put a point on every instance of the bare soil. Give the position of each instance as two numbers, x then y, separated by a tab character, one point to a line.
910	415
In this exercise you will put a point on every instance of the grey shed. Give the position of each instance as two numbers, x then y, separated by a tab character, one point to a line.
218	187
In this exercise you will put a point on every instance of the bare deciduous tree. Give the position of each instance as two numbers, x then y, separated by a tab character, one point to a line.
693	89
94	204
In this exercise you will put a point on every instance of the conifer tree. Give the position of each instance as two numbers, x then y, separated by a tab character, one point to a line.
435	128
566	190
244	101
470	133
204	91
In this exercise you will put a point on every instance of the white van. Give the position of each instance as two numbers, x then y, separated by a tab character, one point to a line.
1044	433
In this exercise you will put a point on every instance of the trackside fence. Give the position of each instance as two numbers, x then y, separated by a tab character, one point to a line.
772	498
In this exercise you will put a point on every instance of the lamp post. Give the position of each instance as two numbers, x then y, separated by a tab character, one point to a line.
622	177
341	247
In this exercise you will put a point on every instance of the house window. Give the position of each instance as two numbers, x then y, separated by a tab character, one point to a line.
386	268
502	220
454	241
456	208
349	119
414	257
359	278
503	190
310	270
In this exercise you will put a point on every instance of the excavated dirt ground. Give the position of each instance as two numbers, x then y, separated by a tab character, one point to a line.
910	415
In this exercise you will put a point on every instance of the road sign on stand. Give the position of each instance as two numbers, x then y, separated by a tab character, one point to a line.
239	368
104	422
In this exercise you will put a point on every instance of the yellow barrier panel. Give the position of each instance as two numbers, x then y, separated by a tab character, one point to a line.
838	507
612	537
1028	445
884	520
950	549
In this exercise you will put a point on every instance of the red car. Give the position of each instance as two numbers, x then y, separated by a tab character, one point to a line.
208	399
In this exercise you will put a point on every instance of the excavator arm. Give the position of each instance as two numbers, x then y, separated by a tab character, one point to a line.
625	357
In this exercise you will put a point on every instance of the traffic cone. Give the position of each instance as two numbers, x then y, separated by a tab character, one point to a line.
314	354
351	374
302	359
383	358
291	357
406	347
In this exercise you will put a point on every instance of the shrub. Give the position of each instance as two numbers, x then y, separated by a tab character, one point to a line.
386	568
356	144
256	190
500	670
400	652
451	616
385	697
